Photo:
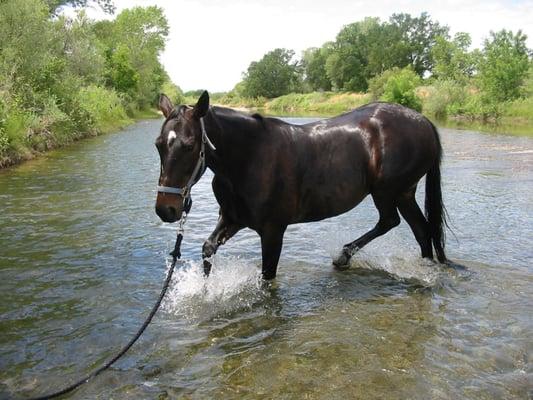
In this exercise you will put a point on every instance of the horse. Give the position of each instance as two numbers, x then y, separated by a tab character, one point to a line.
269	174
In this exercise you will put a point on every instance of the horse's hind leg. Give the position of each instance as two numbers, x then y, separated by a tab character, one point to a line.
222	233
413	216
388	219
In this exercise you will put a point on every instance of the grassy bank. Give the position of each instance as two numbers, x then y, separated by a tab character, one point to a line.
453	106
25	135
316	103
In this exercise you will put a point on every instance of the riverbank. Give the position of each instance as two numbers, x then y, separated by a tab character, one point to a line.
514	118
31	142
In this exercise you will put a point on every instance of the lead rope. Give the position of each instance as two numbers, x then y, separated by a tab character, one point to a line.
176	254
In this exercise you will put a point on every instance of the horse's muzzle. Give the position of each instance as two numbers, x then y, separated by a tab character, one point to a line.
169	207
167	213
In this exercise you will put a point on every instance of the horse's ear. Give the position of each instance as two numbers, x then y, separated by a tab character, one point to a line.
201	107
165	105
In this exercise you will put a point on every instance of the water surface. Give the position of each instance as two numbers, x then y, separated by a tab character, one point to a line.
83	257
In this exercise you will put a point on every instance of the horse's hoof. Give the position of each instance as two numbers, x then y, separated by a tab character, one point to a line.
342	262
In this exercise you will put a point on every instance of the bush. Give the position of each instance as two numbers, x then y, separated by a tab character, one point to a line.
321	103
400	88
173	92
521	108
103	106
376	85
443	98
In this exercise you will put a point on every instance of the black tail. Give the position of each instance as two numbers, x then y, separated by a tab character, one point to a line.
435	211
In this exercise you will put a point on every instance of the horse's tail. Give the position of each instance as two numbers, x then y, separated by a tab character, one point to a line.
435	211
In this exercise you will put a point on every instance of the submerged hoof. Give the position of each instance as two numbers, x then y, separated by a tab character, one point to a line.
342	262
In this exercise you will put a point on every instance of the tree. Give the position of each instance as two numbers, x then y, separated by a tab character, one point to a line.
54	6
274	75
314	65
347	64
417	35
504	65
452	59
133	43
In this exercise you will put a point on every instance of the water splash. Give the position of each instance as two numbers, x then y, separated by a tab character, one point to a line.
399	260
234	284
403	267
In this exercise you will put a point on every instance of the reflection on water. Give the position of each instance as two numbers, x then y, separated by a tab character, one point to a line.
83	255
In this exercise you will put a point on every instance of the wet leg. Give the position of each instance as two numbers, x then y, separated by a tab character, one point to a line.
413	216
222	233
388	219
271	244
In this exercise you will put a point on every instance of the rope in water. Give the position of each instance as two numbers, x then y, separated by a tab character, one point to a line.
176	254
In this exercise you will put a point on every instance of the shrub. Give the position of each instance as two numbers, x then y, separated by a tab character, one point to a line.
400	88
376	85
173	92
443	98
103	106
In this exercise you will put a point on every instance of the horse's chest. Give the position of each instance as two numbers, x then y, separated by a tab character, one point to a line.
232	203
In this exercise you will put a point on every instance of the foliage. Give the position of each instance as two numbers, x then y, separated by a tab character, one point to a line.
503	66
314	66
347	65
416	36
398	86
103	107
62	78
55	6
134	41
376	85
274	75
173	92
367	48
321	103
445	97
452	58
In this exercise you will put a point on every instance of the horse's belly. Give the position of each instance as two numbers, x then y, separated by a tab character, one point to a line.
332	201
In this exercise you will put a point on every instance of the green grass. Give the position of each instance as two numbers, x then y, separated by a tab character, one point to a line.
319	103
25	134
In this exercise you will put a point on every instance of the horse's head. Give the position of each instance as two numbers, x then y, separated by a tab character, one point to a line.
179	145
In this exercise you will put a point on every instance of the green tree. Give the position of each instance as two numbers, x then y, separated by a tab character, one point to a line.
416	36
452	60
314	65
54	6
274	75
347	65
503	66
133	44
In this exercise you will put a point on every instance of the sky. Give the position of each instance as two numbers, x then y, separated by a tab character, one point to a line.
212	42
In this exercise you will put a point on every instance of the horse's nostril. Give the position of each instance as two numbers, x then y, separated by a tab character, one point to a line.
172	213
167	213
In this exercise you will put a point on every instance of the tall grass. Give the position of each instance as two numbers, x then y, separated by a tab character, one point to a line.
320	103
26	131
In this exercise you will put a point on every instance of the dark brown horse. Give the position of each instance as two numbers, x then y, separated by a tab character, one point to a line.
269	174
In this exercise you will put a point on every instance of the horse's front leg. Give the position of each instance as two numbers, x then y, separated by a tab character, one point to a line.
222	233
271	244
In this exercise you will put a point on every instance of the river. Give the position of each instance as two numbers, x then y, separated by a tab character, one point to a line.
83	257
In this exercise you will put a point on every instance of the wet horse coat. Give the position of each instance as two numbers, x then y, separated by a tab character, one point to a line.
269	174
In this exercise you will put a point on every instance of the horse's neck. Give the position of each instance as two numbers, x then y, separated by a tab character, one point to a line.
233	139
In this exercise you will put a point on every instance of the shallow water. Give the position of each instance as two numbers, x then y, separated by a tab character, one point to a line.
83	257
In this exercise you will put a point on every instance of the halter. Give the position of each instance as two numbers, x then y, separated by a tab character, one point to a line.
198	172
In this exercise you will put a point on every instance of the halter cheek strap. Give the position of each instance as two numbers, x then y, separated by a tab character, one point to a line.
198	172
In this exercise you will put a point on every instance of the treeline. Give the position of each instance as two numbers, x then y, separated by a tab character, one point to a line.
410	60
62	78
